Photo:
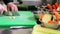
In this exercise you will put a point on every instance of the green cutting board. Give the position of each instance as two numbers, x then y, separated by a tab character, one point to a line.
25	18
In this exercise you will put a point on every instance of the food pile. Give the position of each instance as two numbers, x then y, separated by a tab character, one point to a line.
51	20
56	6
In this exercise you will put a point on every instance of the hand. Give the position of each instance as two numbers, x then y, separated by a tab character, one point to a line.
12	7
3	8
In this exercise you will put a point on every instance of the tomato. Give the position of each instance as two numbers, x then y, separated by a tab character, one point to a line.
56	4
49	7
54	7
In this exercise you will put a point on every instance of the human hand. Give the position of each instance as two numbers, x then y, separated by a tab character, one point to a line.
3	8
12	7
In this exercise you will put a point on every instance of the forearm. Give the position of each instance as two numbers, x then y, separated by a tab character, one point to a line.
7	1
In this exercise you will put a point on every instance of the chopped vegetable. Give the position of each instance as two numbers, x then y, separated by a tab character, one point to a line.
49	7
53	22
41	16
10	13
56	14
56	4
46	18
54	7
38	30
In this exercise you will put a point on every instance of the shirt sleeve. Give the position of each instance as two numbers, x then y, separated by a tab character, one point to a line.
7	1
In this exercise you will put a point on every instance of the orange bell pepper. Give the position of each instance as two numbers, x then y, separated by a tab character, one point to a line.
56	14
52	22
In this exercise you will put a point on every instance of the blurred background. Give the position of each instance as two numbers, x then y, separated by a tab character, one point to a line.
28	5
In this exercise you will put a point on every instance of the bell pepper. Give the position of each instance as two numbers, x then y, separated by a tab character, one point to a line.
52	22
56	14
41	16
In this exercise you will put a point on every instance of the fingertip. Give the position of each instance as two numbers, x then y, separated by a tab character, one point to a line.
16	9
